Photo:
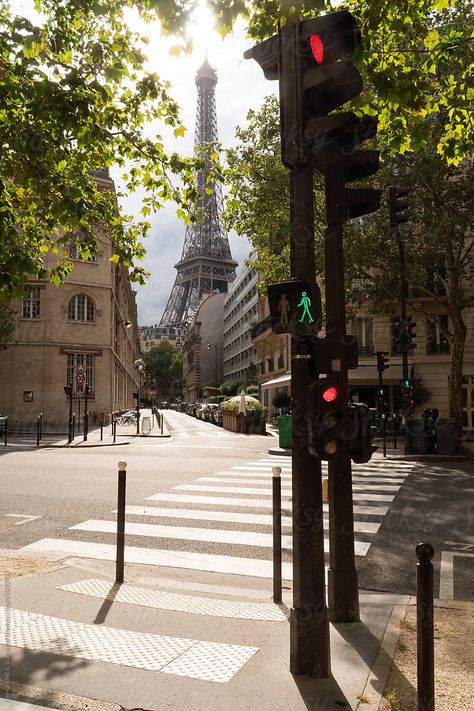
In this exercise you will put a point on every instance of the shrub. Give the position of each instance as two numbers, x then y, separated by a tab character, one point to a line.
281	400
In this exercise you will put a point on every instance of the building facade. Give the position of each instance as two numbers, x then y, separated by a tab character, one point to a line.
240	315
82	332
202	348
150	336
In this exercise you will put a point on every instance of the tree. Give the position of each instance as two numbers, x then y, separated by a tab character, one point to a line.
439	252
163	366
7	326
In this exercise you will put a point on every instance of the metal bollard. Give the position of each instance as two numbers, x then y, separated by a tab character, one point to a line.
114	429
384	434
425	627
38	426
5	434
161	423
86	426
73	426
119	564
41	425
276	492
101	428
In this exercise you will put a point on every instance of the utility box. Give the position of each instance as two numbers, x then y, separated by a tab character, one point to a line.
446	435
284	431
418	436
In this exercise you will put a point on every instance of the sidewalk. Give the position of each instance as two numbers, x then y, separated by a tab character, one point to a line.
179	639
124	435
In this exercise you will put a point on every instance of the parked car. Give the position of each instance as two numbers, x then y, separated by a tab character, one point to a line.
218	417
200	410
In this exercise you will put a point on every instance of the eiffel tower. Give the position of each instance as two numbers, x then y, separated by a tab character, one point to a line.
206	264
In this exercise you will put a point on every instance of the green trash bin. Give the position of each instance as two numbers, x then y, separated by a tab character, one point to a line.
284	431
447	440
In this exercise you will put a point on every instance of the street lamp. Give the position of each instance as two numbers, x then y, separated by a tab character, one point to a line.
209	346
126	323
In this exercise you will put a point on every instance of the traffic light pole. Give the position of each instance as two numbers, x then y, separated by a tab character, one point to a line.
309	626
403	315
343	592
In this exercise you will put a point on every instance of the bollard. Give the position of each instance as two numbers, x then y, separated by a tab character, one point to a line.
101	428
114	429
119	565
425	627
161	423
38	431
86	426
395	428
276	491
41	425
5	433
384	434
73	427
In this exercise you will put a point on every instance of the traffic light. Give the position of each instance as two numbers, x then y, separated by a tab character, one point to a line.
382	402
407	335
361	447
405	386
295	307
309	59
397	204
382	361
328	419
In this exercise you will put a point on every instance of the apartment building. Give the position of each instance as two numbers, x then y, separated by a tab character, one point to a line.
240	315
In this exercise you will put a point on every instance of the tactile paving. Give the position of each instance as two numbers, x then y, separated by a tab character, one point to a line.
29	630
163	600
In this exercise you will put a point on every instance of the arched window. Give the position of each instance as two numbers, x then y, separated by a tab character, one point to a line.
81	308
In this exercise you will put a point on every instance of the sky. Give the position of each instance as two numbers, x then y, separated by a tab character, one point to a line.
241	86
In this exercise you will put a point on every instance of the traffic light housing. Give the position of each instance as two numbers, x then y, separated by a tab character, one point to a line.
327	423
397	205
295	307
361	447
382	402
407	335
382	361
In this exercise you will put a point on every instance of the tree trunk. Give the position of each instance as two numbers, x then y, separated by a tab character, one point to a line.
456	398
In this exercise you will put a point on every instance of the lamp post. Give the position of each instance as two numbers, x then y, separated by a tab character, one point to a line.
209	346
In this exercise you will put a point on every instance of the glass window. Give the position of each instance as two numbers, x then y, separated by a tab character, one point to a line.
81	308
87	360
436	340
363	329
31	303
74	246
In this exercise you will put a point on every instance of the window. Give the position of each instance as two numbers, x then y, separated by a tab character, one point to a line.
74	252
436	341
81	308
87	360
363	329
31	303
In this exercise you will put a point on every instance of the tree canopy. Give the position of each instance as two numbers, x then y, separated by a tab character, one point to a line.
163	366
75	97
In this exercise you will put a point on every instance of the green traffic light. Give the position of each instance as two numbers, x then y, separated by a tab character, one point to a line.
305	303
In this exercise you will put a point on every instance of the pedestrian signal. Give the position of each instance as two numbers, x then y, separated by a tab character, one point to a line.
295	307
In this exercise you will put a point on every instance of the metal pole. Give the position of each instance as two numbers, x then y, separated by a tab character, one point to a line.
6	431
119	564
343	591
276	491
384	434
403	315
73	425
38	431
309	625
425	627
395	428
114	428
86	415
41	425
161	423
138	400
71	431
79	413
101	428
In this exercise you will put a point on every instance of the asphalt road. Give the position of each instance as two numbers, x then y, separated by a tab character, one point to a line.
66	487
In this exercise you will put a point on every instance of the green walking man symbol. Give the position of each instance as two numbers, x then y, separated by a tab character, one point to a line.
305	303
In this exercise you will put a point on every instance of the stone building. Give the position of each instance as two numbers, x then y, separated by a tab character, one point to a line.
150	336
87	325
202	348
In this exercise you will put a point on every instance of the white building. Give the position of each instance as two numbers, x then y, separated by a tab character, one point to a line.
240	314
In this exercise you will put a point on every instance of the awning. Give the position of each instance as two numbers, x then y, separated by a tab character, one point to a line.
279	382
363	375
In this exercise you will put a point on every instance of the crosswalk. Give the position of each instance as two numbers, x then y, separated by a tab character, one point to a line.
222	523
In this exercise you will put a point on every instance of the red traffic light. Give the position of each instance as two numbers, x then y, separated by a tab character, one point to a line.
317	48
330	394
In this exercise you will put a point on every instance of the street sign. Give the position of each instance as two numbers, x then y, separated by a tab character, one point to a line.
295	307
80	379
